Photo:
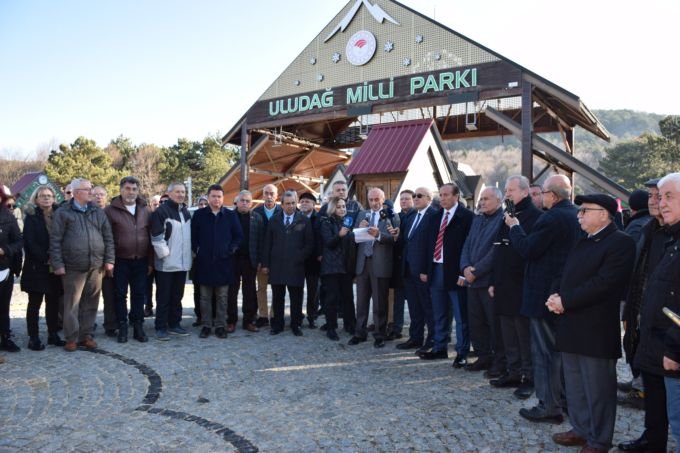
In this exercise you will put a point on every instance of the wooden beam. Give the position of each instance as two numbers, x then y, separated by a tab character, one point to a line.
527	131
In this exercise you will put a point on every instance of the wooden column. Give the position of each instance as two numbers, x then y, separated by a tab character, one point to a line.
570	150
527	131
245	147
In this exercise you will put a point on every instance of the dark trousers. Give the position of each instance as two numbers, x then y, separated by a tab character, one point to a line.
6	288
149	290
169	293
656	417
132	273
485	330
590	385
448	304
398	309
517	345
312	283
245	276
51	312
419	309
295	294
547	363
109	297
338	290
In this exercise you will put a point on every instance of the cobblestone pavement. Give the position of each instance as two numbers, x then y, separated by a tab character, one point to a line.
256	392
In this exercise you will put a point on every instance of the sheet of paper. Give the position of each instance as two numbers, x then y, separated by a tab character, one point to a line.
361	235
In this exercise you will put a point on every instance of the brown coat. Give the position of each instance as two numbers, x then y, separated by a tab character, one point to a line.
131	234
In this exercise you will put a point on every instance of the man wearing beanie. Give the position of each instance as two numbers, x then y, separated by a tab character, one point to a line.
588	331
639	213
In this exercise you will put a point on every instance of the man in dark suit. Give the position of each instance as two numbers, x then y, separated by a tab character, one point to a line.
545	249
443	235
398	297
373	270
313	263
588	331
506	291
289	241
266	210
417	292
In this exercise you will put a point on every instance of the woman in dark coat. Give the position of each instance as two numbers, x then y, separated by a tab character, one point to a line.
336	268
37	278
10	248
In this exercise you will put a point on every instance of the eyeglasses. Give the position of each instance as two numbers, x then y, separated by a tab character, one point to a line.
46	195
10	206
546	191
68	192
420	195
584	210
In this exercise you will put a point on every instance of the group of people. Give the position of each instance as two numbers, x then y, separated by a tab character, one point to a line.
533	282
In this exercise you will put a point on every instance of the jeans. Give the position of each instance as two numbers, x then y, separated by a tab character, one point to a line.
673	407
132	273
445	301
169	293
547	364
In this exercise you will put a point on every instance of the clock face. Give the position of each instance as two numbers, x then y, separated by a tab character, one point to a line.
360	48
42	179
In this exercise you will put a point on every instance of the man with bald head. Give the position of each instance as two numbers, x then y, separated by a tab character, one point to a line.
373	269
545	250
266	210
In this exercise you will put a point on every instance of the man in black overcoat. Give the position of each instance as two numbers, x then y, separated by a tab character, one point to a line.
588	332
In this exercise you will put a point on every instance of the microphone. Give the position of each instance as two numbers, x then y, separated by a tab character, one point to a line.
347	222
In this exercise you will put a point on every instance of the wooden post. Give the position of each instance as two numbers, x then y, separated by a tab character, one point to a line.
527	131
570	150
245	147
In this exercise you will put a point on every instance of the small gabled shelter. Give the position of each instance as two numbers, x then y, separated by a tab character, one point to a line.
29	182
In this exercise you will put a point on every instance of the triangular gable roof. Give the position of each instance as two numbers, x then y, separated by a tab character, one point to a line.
24	182
389	148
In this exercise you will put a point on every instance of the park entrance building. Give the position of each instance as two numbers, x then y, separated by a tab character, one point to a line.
379	62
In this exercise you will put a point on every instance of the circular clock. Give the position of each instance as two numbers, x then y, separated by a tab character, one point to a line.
42	179
360	48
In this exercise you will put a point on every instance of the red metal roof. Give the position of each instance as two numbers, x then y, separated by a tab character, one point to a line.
389	147
25	181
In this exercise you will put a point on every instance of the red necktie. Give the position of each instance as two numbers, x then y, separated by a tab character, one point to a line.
440	238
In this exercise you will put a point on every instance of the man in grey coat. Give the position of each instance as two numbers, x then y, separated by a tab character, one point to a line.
81	250
374	269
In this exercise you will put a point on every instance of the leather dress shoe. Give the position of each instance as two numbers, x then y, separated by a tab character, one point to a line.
568	439
296	331
34	344
434	355
70	346
111	333
355	340
231	328
312	324
88	343
251	328
332	334
537	415
506	380
525	389
492	374
54	340
196	323
423	348
459	362
479	365
409	344
641	444
220	332
275	331
261	322
205	332
379	343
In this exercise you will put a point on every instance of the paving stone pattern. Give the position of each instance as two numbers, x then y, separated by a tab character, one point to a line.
256	392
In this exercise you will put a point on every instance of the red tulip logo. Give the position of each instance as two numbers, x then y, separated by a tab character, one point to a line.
360	43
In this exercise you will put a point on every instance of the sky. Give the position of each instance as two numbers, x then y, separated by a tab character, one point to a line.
158	70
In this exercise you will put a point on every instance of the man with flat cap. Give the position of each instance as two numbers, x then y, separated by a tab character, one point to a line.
587	329
313	263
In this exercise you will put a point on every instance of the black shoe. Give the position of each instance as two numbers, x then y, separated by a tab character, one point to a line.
641	444
506	380
220	332
34	344
296	331
356	340
6	344
123	333
275	331
349	329
459	362
324	328
371	328
409	344
148	311
196	323
396	335
539	416
111	333
434	355
423	348
379	343
205	332
138	332
261	322
492	374
479	365
54	340
624	387
525	389
332	334
312	324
